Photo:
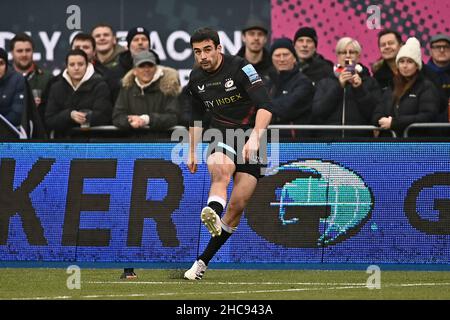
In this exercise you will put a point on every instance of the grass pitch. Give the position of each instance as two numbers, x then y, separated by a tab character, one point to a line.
51	284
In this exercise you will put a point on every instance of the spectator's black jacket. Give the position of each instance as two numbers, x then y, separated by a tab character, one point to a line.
360	103
233	94
419	104
316	68
92	94
292	93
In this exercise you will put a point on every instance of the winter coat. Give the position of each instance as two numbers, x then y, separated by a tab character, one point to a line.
114	75
443	75
113	60
316	68
38	78
292	93
383	74
12	96
328	104
419	104
159	101
91	94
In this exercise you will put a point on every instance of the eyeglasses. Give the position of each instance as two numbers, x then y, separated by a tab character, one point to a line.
444	48
349	52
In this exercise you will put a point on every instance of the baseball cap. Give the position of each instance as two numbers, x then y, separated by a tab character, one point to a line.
144	56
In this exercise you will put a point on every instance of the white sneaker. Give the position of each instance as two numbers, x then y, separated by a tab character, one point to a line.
212	221
196	271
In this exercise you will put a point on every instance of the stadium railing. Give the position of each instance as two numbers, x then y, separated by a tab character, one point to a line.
280	127
425	125
330	127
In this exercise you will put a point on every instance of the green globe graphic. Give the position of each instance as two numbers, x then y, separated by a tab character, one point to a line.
342	190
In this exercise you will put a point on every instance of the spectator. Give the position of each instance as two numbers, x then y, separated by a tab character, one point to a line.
12	91
440	64
138	40
254	37
148	97
291	91
413	99
107	50
86	43
79	96
350	96
312	64
22	47
390	42
384	70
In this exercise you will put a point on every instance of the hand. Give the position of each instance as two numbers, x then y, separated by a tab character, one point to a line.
37	101
192	162
250	151
345	77
356	81
78	117
385	122
136	121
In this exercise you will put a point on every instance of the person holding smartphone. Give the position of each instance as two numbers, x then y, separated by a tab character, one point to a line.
349	96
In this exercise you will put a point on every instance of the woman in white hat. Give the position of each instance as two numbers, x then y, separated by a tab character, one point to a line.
413	99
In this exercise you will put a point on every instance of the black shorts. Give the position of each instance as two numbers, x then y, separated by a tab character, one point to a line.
254	167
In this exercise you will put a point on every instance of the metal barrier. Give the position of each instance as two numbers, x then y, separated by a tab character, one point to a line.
111	128
329	127
426	125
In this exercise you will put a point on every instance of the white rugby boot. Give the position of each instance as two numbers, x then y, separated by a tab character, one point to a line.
197	271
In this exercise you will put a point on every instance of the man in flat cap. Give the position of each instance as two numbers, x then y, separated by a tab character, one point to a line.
254	38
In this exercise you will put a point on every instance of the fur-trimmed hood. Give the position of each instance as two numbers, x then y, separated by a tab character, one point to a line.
168	82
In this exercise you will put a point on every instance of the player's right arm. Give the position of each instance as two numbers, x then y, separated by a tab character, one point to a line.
195	129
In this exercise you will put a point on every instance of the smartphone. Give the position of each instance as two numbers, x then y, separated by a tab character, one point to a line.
349	67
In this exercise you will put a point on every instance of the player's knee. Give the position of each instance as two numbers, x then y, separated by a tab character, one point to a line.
220	175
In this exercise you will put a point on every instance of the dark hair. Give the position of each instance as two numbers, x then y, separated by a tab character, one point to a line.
203	34
384	32
76	52
103	25
20	37
83	37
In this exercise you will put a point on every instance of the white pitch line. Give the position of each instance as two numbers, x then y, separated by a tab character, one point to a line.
225	283
352	286
187	293
43	298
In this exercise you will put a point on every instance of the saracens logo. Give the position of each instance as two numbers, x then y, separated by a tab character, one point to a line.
229	85
309	204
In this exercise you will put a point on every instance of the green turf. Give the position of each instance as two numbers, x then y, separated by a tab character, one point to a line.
223	284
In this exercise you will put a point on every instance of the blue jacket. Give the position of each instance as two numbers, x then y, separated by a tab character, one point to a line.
12	96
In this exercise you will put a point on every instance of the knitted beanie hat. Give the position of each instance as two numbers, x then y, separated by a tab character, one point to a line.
283	43
411	49
135	31
306	32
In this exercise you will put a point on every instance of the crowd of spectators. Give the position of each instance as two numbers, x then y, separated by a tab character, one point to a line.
131	93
